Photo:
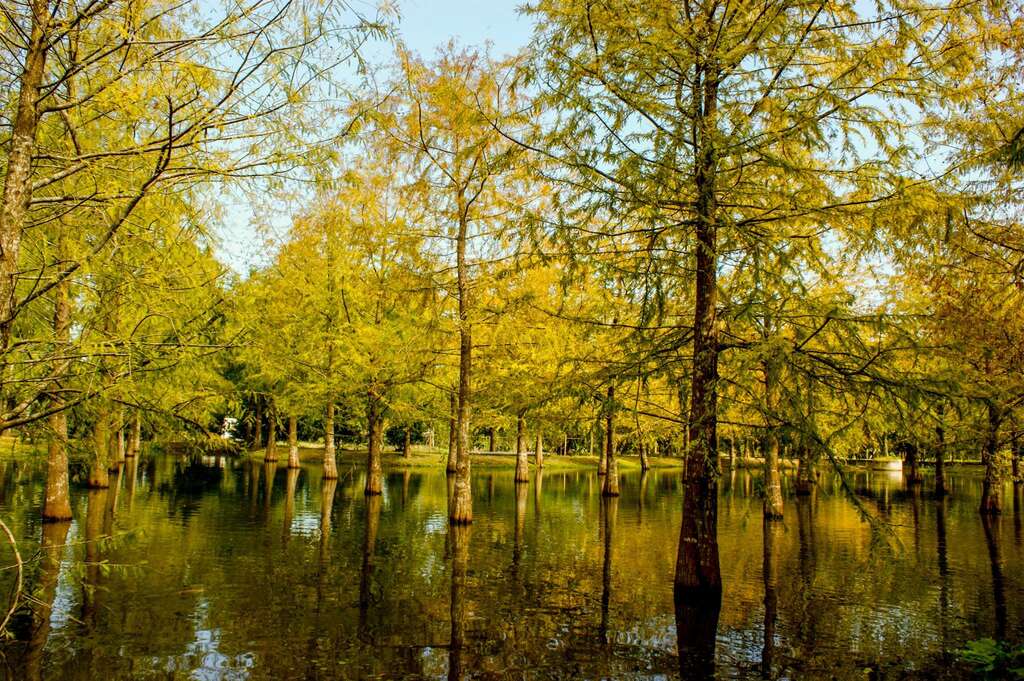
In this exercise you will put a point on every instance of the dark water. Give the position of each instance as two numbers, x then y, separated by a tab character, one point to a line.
219	571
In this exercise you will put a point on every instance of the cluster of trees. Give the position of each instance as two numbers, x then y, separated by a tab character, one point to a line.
119	122
688	228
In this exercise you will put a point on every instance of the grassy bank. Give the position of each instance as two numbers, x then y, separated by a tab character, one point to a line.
422	457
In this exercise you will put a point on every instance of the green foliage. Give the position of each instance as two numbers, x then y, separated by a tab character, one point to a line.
990	659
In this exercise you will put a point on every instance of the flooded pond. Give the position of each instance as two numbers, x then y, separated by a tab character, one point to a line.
227	569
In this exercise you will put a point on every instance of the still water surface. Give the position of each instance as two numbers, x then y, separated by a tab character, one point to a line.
227	569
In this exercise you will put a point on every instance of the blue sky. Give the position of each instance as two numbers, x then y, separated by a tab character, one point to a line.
424	25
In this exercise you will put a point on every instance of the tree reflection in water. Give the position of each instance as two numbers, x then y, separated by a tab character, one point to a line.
579	587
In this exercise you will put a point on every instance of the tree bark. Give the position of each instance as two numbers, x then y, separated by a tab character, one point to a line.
406	444
330	458
611	478
772	477
522	464
293	441
375	423
135	444
57	505
914	475
17	192
490	440
98	475
257	437
453	430
698	575
645	464
1018	454
119	445
330	455
805	471
270	454
461	507
602	462
992	485
940	457
538	451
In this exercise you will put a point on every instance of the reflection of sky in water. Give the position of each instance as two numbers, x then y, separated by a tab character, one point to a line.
204	658
64	600
436	523
305	525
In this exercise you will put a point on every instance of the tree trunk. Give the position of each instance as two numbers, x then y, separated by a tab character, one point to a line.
1018	454
375	422
602	462
57	505
805	471
772	477
538	451
914	475
645	464
940	459
112	463
490	440
992	485
330	458
257	437
135	443
461	507
611	479
453	431
17	192
330	455
293	441
270	454
522	464
406	444
120	444
698	574
98	476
